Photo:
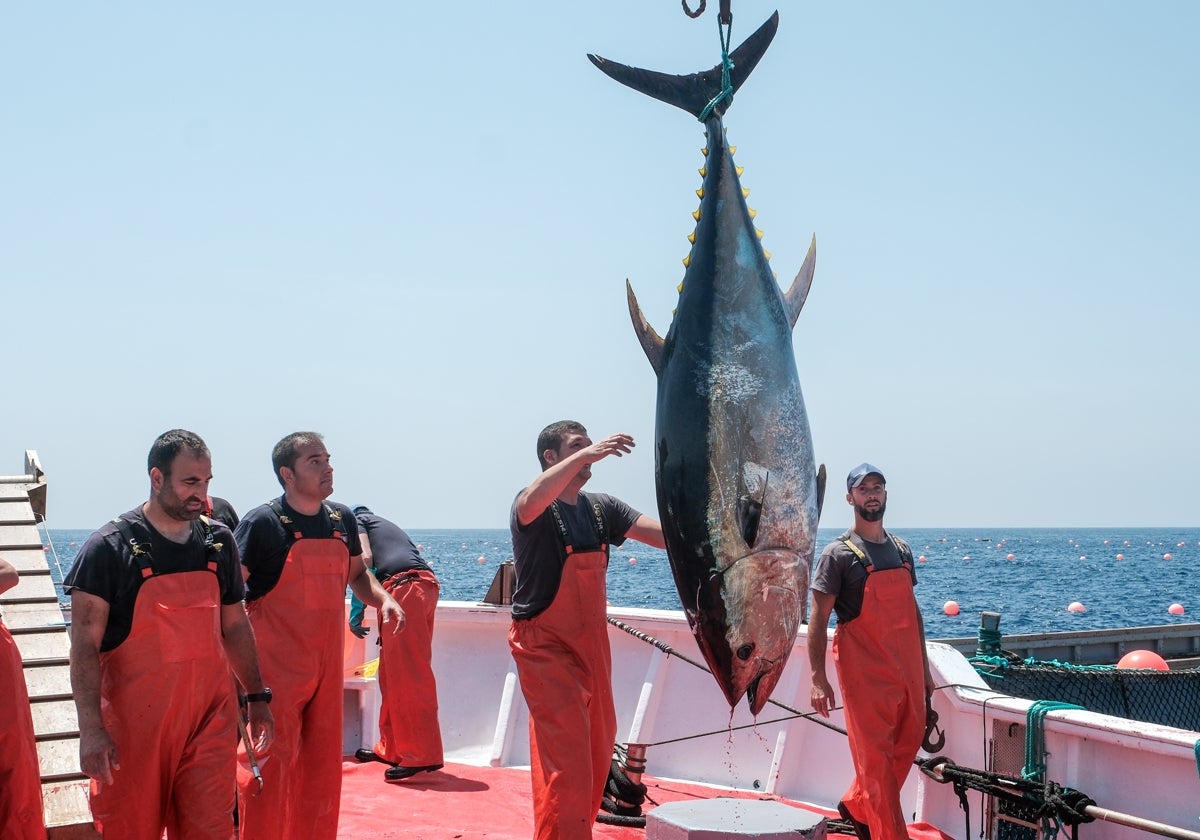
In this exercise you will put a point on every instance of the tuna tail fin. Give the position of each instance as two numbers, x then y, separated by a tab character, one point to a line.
650	340
693	93
820	490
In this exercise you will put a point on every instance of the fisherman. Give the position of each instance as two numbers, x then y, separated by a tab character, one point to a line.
559	636
866	577
20	782
410	739
299	553
157	621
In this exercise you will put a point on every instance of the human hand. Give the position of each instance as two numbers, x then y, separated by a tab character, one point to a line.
261	727
823	699
618	444
359	630
98	755
390	611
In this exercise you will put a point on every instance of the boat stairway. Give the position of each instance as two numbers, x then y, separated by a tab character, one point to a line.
32	615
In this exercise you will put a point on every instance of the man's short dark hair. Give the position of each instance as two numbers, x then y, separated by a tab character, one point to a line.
552	437
284	453
168	445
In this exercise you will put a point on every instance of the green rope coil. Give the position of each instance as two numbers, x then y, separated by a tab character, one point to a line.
1035	736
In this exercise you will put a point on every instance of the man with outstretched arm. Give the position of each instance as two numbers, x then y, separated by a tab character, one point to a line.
299	552
157	622
867	577
559	635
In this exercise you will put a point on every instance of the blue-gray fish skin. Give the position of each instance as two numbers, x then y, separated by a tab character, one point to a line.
737	483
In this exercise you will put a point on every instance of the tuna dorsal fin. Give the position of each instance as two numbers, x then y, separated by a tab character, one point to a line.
651	341
820	490
793	299
693	93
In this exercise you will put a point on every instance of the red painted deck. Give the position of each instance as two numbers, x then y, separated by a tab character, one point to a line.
463	801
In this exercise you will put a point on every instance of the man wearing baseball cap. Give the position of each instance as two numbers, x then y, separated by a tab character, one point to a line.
866	578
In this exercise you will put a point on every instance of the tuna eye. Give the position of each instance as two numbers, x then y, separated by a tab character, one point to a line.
745	652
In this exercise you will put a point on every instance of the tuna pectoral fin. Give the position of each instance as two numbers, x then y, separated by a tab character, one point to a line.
793	299
693	93
652	343
820	490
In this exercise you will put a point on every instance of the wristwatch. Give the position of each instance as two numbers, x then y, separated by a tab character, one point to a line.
263	696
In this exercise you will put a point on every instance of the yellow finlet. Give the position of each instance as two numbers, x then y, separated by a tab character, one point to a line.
704	151
703	171
739	170
733	150
696	215
745	193
679	289
766	253
687	260
692	237
758	233
700	192
753	212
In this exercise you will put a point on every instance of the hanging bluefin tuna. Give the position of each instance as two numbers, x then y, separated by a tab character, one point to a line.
738	488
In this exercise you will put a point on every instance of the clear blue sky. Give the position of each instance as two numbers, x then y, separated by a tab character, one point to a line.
408	226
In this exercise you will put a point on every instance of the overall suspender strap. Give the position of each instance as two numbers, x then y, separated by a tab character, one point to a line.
902	550
141	550
598	516
337	528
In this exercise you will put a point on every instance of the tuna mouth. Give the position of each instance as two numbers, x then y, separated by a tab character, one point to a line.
758	692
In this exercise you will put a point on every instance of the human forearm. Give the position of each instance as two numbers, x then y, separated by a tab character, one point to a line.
649	531
368	590
238	638
547	487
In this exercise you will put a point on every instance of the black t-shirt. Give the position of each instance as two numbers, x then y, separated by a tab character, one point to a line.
105	567
539	552
392	549
263	541
222	510
840	572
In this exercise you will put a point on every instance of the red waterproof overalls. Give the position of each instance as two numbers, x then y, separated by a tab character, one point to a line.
882	672
409	733
167	701
565	666
298	628
20	782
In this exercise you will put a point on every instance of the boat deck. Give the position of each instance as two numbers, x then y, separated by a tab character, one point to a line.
466	801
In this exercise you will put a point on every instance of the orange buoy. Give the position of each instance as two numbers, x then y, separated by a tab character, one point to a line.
632	561
921	559
1076	607
1167	556
950	608
482	560
1120	556
1012	557
1175	609
1143	660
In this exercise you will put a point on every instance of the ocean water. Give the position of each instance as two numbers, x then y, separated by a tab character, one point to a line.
1123	577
